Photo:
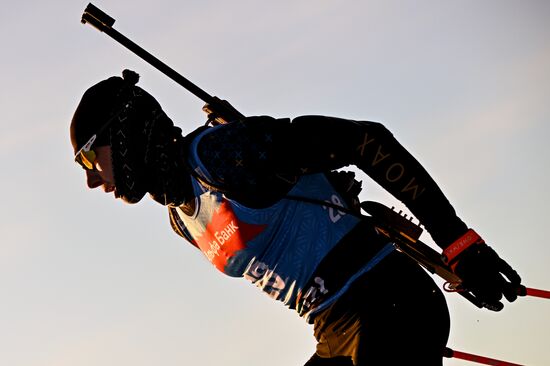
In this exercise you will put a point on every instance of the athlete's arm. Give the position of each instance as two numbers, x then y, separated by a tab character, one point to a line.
325	142
257	151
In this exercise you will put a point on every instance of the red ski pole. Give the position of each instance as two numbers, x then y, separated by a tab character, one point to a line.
449	353
526	291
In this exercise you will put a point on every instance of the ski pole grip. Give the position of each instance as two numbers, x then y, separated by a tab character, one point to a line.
97	18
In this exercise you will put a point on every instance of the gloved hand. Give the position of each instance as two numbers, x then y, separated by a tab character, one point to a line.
486	275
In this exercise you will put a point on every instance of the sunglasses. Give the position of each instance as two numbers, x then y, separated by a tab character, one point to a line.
86	156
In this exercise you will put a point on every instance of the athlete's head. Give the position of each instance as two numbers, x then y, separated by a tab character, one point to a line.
126	143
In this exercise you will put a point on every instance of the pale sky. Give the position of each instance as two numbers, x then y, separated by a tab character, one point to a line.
87	280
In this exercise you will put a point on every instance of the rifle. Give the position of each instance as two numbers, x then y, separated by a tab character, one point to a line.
219	111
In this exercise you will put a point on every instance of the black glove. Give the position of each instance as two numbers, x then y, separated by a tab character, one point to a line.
487	276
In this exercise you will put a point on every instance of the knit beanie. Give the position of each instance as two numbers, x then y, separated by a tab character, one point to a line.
146	147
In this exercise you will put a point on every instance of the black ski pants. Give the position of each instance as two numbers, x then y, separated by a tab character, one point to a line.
394	315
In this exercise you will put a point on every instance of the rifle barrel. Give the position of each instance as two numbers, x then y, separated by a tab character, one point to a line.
104	23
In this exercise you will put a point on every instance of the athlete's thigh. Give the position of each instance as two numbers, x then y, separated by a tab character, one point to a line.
404	317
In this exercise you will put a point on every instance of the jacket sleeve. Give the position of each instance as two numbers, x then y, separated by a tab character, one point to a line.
261	150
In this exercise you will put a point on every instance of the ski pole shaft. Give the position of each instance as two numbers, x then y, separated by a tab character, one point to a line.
526	291
449	353
104	23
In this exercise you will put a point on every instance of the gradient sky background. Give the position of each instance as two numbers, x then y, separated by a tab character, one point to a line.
86	280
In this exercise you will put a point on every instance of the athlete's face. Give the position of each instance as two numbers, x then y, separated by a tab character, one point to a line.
103	176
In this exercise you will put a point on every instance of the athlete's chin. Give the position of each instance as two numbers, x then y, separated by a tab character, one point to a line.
128	200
